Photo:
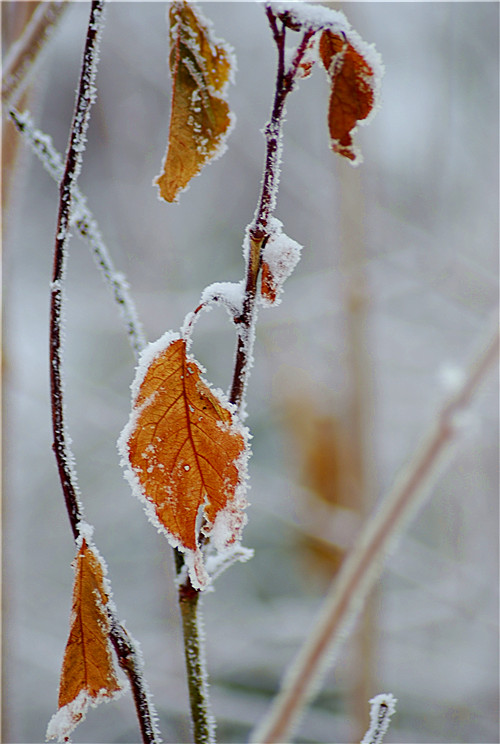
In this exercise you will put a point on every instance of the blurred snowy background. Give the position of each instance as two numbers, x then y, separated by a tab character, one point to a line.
395	288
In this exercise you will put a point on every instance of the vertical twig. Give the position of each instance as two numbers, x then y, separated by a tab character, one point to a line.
364	563
127	653
202	720
203	723
258	230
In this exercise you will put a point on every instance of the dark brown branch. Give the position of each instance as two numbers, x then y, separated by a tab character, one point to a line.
259	230
122	643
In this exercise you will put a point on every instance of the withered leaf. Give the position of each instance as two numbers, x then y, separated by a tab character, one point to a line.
201	67
187	454
88	674
352	95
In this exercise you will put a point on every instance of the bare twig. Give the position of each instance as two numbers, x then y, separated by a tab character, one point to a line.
364	563
25	51
42	146
202	720
258	232
383	707
126	651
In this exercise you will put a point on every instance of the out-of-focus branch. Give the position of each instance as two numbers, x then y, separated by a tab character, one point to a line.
26	50
364	563
42	146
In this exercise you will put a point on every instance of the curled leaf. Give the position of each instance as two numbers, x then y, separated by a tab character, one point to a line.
201	68
355	71
186	454
88	675
280	256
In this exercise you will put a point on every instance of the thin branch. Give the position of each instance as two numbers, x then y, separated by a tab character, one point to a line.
81	216
202	720
25	52
258	231
363	565
126	651
383	707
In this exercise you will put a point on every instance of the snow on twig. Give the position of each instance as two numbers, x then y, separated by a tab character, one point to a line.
383	707
82	218
25	52
363	565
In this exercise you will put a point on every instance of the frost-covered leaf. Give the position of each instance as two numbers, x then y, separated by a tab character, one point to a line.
88	675
355	71
186	453
279	258
201	67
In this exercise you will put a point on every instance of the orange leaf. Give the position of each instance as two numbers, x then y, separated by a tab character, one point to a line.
201	67
88	674
187	454
268	288
353	91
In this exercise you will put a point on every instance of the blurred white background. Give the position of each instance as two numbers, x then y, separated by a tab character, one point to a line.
396	287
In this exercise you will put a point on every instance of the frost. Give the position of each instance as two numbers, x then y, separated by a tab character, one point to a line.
146	358
69	716
230	294
42	146
383	706
281	255
229	522
217	563
313	16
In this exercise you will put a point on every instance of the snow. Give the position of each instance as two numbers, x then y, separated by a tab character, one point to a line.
69	716
313	16
230	294
383	706
281	254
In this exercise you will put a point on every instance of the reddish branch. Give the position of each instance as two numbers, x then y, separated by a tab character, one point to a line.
122	643
259	231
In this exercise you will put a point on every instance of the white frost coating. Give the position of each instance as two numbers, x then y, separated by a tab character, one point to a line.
220	146
217	563
383	706
69	716
281	254
230	294
147	357
313	16
230	521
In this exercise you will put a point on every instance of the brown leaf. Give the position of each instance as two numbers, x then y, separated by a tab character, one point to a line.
187	454
352	96
200	120
88	674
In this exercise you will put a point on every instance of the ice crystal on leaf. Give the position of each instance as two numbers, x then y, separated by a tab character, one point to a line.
88	676
201	67
186	454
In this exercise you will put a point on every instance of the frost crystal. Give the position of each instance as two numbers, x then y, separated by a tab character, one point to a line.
383	706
